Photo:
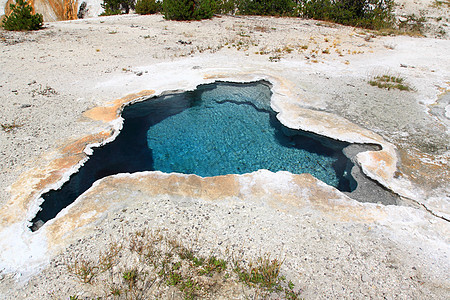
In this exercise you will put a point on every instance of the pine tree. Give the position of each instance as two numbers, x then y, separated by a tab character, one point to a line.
22	18
180	10
183	10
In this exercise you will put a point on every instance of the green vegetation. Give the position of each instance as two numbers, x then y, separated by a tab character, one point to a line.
179	10
184	10
22	18
117	7
147	7
266	7
163	261
225	6
371	14
413	25
47	91
87	270
390	82
265	274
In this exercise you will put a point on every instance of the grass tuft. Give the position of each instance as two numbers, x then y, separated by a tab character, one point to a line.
85	270
390	82
162	261
265	274
9	127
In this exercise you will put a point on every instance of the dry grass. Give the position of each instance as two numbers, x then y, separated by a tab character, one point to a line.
412	25
441	4
390	82
10	127
151	262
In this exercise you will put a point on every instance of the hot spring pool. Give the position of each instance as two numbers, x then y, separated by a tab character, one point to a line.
218	129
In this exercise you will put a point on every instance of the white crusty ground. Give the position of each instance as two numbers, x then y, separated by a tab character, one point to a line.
90	62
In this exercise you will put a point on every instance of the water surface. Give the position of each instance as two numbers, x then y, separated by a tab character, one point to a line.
218	129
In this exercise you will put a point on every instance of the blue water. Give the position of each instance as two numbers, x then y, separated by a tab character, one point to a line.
218	129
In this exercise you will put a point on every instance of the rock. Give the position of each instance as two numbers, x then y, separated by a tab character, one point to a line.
184	42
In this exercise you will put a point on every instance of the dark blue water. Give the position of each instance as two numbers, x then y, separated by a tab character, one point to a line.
218	129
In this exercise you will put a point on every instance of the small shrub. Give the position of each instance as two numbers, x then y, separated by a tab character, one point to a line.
116	7
226	6
413	25
130	277
109	257
22	18
266	7
47	91
110	12
147	7
179	10
213	265
264	273
371	14
85	270
185	10
115	291
205	9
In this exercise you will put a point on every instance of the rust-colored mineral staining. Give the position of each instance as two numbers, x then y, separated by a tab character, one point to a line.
80	145
382	164
304	192
31	183
112	109
423	169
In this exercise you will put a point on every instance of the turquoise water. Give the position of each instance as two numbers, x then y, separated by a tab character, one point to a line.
231	129
218	129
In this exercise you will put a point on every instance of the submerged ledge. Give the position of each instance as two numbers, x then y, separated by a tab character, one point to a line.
25	201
